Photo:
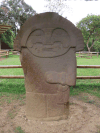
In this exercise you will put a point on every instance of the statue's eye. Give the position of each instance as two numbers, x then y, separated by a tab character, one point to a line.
38	33
60	37
59	32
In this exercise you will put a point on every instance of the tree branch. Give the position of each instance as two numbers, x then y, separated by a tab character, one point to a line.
93	43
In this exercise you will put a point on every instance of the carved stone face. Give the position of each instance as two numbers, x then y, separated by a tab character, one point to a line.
48	42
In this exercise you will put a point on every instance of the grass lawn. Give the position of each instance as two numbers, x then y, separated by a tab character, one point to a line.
11	86
16	86
91	86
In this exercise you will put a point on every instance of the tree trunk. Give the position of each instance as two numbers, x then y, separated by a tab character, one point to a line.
89	49
91	45
87	45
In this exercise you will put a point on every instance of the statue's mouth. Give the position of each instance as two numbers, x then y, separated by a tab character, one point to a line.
51	48
46	47
48	50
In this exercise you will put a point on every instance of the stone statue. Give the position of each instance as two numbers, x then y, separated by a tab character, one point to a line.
47	43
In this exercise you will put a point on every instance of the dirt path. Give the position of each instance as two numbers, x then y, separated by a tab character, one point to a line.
84	117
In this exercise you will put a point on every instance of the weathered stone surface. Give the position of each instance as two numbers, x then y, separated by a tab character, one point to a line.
36	105
57	104
48	106
47	43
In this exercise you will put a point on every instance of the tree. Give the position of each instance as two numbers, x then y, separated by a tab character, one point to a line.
90	27
15	12
58	6
96	46
91	0
8	38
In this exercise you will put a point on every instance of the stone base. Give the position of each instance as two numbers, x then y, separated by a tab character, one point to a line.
64	117
48	106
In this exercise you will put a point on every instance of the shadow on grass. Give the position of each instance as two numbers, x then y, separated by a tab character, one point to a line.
15	86
93	89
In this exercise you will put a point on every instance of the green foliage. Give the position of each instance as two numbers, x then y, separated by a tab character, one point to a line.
8	38
15	12
90	27
85	48
96	46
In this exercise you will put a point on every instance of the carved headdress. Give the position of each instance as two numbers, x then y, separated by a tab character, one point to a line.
56	22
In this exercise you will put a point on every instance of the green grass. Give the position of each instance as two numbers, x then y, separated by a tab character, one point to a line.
91	86
88	71
16	86
19	130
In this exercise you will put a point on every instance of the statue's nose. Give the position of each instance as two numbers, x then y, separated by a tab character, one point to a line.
56	77
47	40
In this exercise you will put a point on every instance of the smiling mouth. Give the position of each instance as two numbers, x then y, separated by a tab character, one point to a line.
52	48
47	49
